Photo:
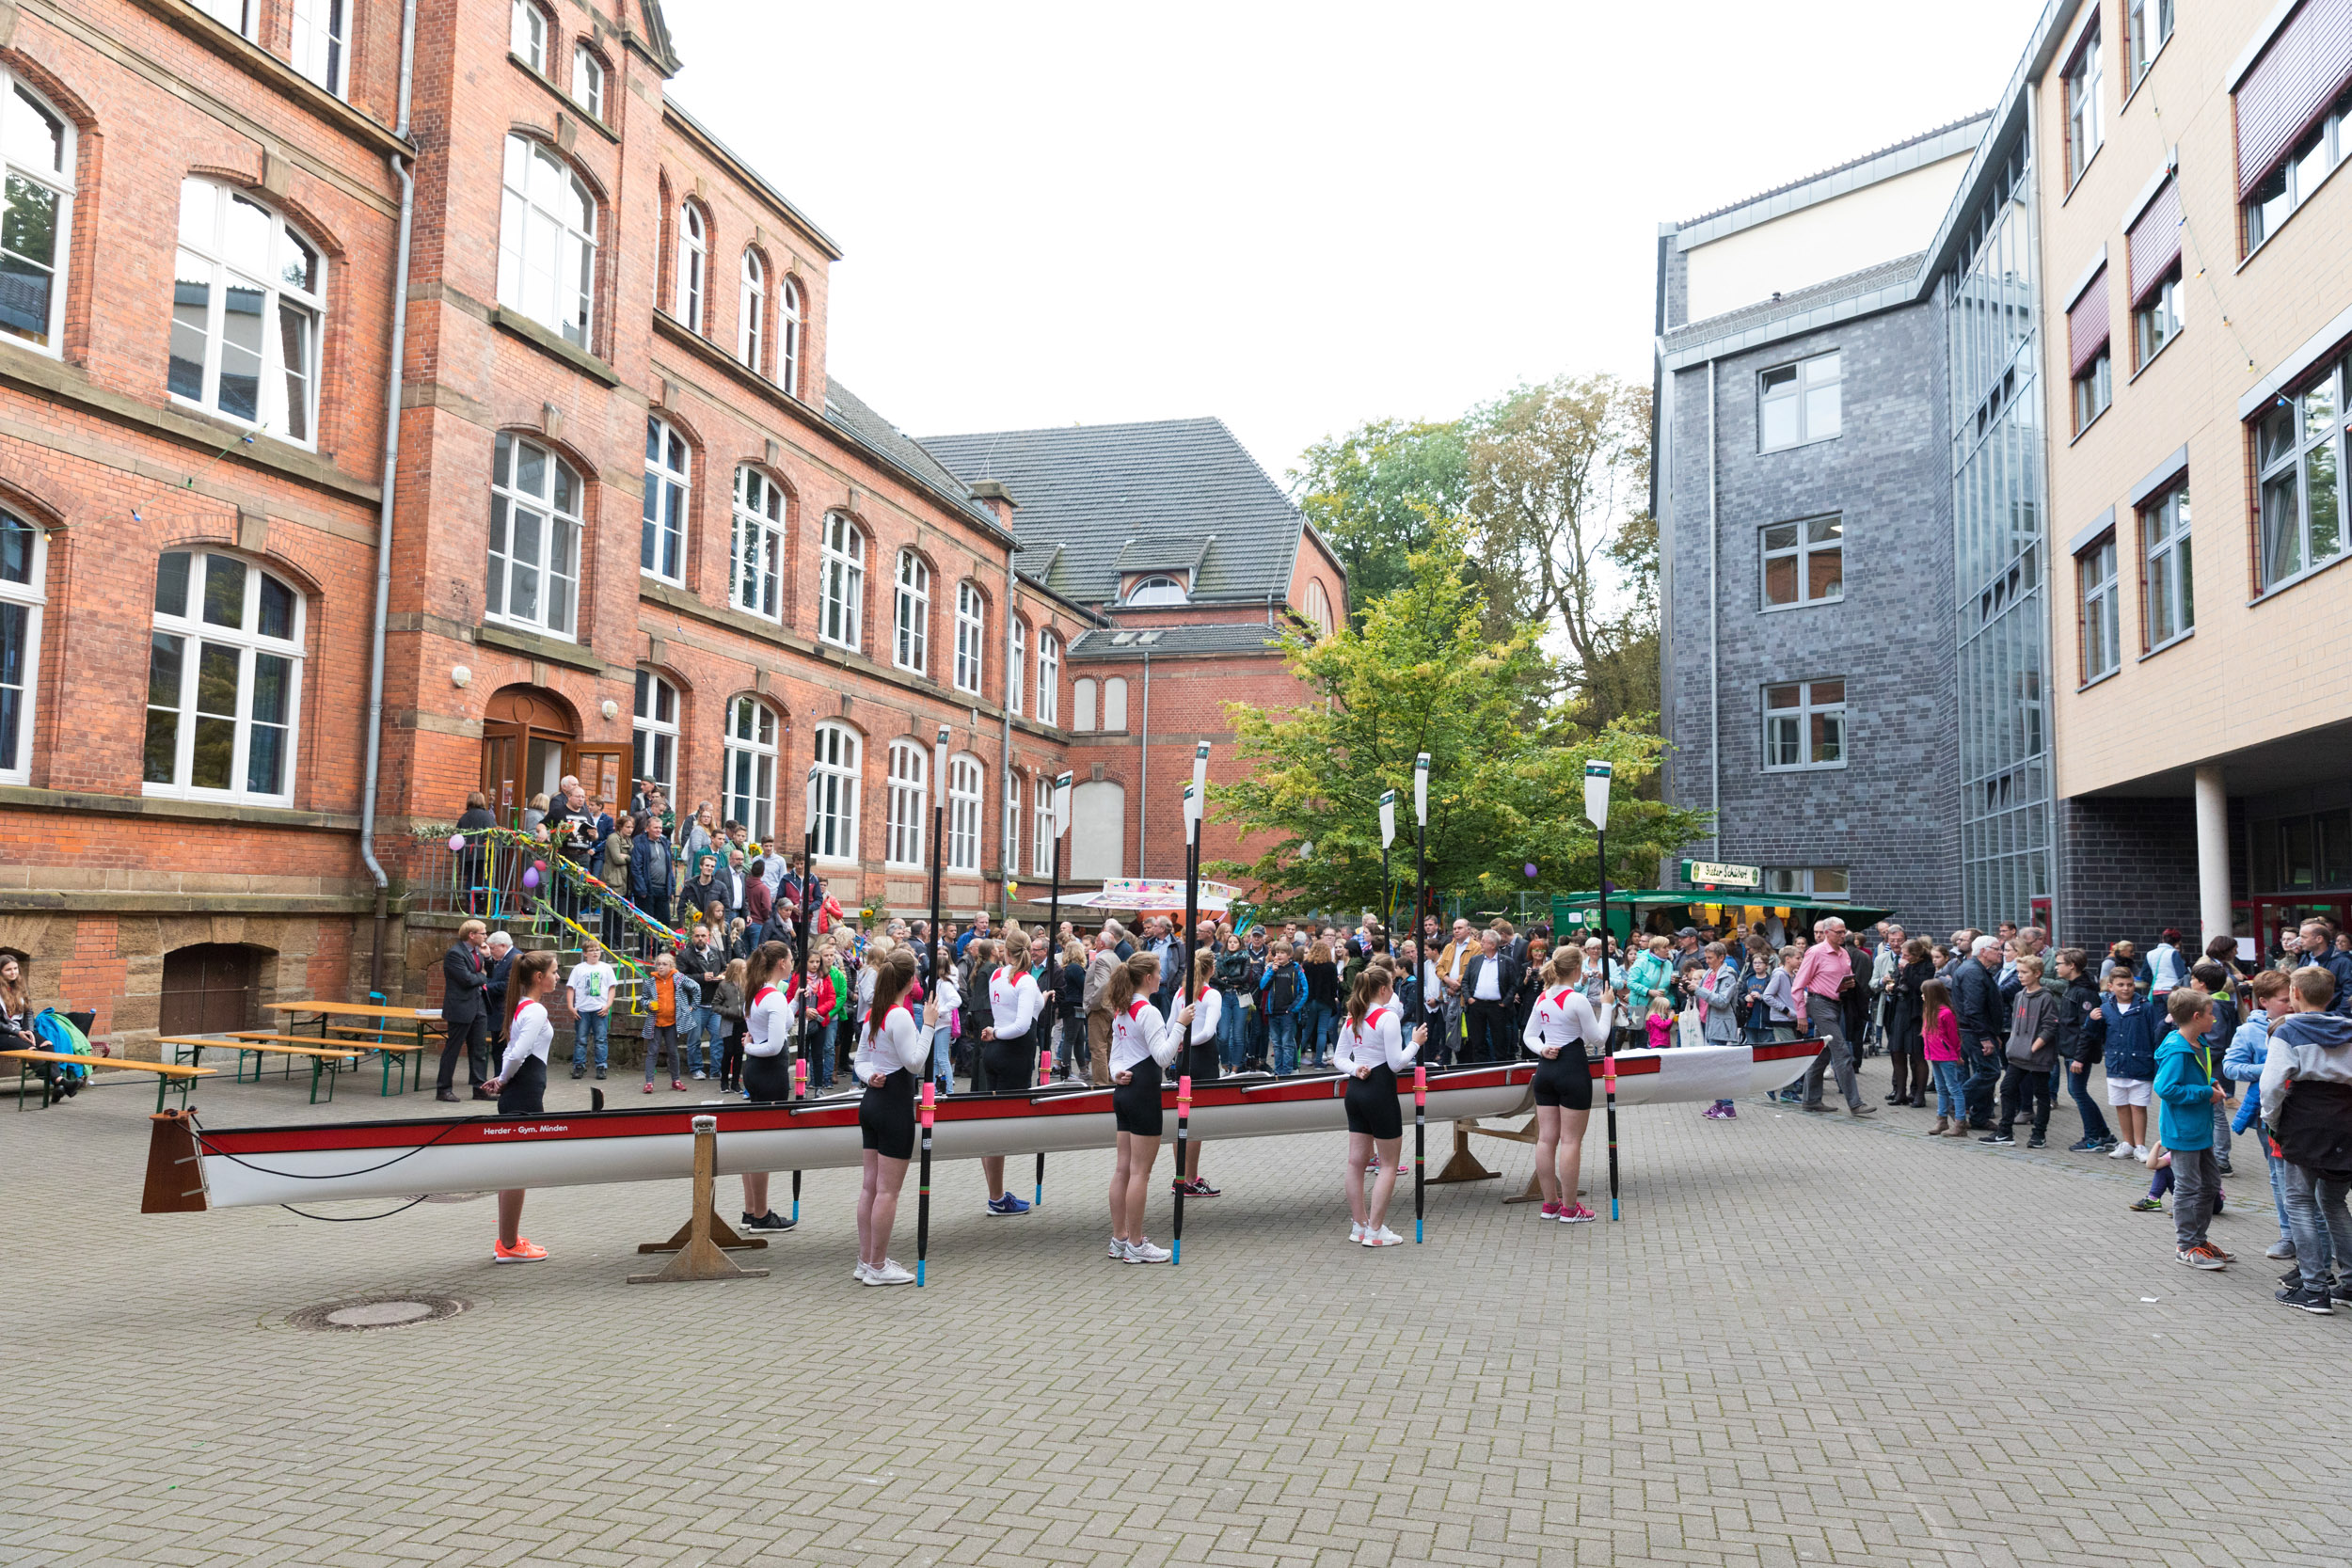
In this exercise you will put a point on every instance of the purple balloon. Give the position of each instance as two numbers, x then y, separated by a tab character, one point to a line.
531	877
457	842
1531	869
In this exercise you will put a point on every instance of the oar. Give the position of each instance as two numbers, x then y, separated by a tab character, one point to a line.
1421	1134
1608	1082
1184	1136
1045	1076
923	1194
800	1091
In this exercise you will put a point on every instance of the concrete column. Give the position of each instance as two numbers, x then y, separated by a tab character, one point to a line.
2213	852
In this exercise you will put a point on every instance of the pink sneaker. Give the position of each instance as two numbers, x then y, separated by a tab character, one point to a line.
1578	1214
1552	1211
1713	1113
1731	1113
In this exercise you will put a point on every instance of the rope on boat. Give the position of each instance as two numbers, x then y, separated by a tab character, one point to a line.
203	1147
356	1219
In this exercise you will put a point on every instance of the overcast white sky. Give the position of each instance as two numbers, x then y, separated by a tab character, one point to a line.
1294	216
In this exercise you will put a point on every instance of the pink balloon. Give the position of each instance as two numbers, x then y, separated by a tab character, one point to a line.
458	840
531	878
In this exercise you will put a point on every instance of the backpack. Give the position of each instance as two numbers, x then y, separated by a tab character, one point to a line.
2313	1128
54	1031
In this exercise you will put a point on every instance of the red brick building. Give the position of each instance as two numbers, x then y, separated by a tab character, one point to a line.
631	526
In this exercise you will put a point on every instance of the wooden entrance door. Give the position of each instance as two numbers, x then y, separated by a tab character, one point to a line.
602	771
209	989
527	739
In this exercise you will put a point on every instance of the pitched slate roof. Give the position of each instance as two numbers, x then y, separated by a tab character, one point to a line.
1097	500
854	415
1123	642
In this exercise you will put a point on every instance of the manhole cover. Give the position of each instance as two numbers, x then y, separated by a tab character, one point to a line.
377	1312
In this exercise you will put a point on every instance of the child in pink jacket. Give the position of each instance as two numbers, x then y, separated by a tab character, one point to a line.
1941	1032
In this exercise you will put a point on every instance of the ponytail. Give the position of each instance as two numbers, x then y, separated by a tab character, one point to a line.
1203	967
1566	967
764	959
1371	983
1139	974
892	978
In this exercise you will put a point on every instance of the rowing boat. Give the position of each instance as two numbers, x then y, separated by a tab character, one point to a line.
240	1166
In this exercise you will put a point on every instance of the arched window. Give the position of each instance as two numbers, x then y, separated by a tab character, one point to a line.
1158	590
668	468
242	17
836	819
528	36
247	299
841	607
971	626
755	569
1041	838
1319	606
655	732
694	264
1012	823
23	570
1082	704
750	792
751	311
1115	704
321	29
548	241
534	537
224	678
911	615
1017	675
37	144
909	807
788	359
963	813
1048	678
588	80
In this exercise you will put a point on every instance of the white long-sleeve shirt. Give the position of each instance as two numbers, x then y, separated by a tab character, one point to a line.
1207	1008
1014	1001
592	986
532	1033
1564	1017
898	1044
768	1022
1380	1041
1140	1031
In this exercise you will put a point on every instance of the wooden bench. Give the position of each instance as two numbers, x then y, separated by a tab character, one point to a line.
166	1073
372	1021
362	1038
322	1059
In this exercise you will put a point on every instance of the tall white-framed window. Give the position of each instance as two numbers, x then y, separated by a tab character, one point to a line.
1082	705
1042	836
1805	563
242	17
971	629
1319	607
2300	445
2148	23
910	803
655	732
694	264
751	311
248	295
534	537
1048	678
1115	703
841	602
837	761
2102	644
36	147
528	37
750	795
755	569
2081	81
1017	678
911	615
547	242
224	680
1805	726
24	577
1012	823
2171	581
1801	403
669	467
788	352
322	34
963	812
588	80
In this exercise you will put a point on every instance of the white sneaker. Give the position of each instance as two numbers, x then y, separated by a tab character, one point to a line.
860	1273
1383	1237
2121	1151
1356	1232
889	1273
700	1074
1117	1253
1144	1252
2143	1154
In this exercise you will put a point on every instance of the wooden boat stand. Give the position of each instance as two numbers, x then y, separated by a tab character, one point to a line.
1463	1165
696	1245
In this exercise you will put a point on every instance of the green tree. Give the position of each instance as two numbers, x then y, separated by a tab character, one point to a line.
1423	673
1380	493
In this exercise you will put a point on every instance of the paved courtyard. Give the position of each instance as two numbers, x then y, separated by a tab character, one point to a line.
1811	1340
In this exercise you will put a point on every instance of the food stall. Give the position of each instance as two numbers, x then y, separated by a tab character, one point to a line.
1727	897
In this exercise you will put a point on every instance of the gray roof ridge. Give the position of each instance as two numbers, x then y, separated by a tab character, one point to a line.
1837	169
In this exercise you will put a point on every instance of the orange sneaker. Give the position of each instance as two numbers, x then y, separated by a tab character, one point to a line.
524	1251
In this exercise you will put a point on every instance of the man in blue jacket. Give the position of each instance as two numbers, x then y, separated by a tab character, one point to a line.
1983	1017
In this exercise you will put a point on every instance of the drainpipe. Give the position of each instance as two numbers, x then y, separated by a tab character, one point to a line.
1714	615
1003	764
393	384
1143	785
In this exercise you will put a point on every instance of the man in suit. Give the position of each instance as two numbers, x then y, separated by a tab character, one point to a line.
1489	980
465	1010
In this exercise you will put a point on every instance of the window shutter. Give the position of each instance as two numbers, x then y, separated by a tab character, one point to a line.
2087	323
2155	242
2289	89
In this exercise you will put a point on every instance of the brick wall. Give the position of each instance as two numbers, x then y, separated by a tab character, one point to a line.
2128	869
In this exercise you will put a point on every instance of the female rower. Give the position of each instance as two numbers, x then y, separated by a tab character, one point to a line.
767	1025
1200	1020
522	1086
1564	1080
1141	1045
1371	1050
1008	1052
893	1050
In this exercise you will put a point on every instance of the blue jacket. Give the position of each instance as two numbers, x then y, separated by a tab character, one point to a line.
2250	1048
1978	1003
2130	1038
649	874
2338	965
2184	1094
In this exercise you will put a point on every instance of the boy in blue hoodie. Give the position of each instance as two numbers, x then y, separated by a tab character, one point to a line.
2250	1048
2186	1095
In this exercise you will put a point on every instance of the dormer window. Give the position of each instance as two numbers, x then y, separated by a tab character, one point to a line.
1158	589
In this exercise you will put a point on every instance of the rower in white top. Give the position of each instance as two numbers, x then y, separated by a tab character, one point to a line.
1007	1052
769	1022
893	1052
1141	1046
1371	1050
1561	1020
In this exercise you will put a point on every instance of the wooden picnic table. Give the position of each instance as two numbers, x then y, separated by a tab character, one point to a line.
416	1020
323	1059
165	1072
